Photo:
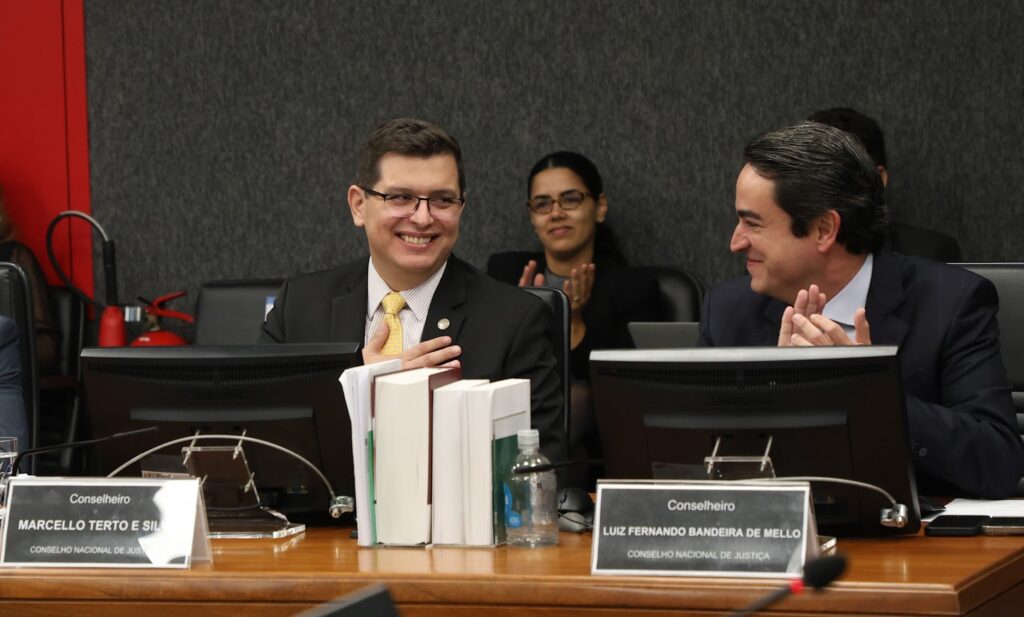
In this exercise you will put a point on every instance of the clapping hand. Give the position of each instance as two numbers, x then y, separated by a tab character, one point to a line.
804	325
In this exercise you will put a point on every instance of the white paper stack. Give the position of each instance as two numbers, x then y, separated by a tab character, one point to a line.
450	461
357	383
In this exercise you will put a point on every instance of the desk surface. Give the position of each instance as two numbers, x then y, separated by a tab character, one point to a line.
981	576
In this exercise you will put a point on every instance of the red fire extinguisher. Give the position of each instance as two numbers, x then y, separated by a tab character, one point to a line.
156	336
112	331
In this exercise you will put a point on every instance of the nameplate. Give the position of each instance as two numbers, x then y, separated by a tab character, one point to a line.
102	522
702	529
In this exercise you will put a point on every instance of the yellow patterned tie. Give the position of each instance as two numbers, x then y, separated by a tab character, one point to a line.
393	303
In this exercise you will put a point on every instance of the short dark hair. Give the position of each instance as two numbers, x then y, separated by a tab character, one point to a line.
407	137
864	127
817	168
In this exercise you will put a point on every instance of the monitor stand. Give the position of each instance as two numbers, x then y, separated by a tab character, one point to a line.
233	508
717	467
739	467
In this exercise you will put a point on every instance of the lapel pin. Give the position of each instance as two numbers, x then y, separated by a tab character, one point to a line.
443	324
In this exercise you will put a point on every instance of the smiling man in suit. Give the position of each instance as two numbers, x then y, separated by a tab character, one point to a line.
812	221
411	297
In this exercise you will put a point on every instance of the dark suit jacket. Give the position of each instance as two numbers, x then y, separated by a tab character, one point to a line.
959	409
12	407
502	330
620	295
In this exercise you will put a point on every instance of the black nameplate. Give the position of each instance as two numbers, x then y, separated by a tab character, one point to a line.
100	522
700	528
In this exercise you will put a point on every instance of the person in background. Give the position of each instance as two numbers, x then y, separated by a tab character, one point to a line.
811	220
17	253
568	207
901	238
12	408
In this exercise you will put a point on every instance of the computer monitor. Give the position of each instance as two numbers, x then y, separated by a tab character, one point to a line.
286	394
829	411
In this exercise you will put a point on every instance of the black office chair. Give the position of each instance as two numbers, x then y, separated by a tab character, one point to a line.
58	393
922	242
682	292
558	304
231	312
1009	281
16	304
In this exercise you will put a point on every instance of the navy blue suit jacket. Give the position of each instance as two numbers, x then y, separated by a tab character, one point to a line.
12	407
959	408
503	331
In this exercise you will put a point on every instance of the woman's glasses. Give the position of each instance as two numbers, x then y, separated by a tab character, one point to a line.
569	200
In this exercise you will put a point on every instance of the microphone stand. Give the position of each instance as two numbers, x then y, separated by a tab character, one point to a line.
818	574
74	444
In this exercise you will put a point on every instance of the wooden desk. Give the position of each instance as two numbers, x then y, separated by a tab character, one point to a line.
982	576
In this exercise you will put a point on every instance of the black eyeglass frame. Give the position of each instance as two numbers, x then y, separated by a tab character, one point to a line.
388	199
550	205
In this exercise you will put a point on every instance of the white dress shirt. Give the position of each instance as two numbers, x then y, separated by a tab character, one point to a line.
841	308
417	303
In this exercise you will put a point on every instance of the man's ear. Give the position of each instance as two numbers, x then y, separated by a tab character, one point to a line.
882	171
602	208
356	204
826	228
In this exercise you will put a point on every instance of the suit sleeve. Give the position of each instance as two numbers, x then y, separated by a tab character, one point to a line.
968	437
12	408
273	330
531	357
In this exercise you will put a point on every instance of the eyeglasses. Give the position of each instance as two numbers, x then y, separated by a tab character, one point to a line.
569	200
404	205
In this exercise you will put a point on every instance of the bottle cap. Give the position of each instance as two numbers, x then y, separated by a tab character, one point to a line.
528	437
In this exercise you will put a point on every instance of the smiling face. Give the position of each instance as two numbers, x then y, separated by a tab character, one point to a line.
407	251
566	234
780	264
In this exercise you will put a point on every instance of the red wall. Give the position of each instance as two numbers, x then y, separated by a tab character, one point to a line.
44	142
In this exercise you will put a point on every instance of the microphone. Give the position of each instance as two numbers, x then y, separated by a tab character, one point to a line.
74	444
818	574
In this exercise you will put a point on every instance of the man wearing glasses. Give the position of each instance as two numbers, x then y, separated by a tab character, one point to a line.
411	298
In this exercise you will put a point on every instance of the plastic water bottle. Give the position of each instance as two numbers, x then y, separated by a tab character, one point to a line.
531	508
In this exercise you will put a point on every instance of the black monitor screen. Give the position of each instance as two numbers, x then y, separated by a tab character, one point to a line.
835	412
285	394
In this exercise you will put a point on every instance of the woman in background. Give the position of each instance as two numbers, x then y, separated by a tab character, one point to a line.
17	253
568	207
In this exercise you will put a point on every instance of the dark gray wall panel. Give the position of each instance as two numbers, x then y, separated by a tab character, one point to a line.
223	134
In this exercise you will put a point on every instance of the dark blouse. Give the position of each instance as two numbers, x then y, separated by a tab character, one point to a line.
620	295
